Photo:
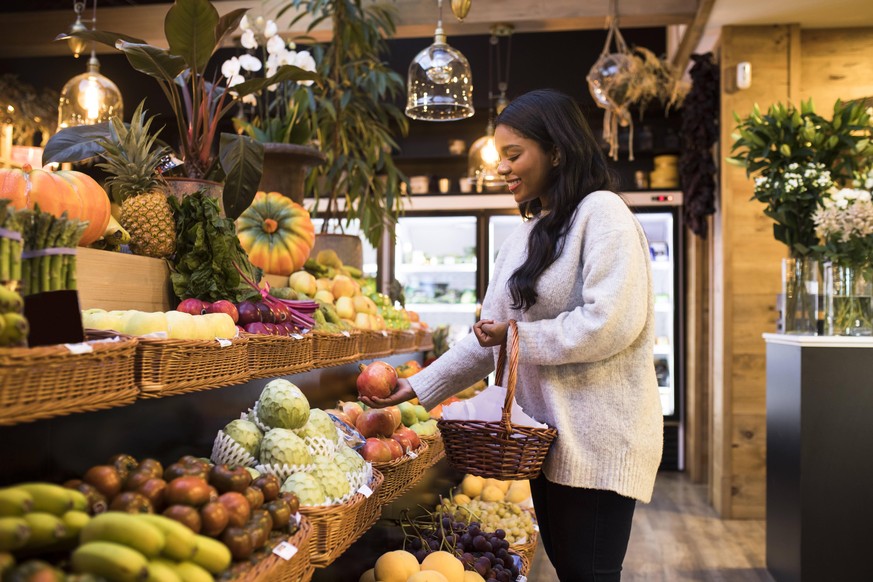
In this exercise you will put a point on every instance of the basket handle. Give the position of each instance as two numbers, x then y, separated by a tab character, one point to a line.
512	340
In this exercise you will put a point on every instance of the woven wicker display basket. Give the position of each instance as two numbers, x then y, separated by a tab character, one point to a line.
331	349
375	344
336	527
500	450
403	341
436	450
401	474
529	547
48	381
278	355
423	340
525	563
272	568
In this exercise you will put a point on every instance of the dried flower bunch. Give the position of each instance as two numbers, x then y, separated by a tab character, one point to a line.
844	223
281	112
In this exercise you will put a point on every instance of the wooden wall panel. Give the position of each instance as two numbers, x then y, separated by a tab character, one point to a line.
788	64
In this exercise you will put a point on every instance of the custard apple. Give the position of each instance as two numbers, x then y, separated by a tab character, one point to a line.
246	434
332	479
282	405
306	487
319	425
281	446
348	460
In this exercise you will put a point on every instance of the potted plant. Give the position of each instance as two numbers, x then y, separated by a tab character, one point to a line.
796	156
194	31
356	116
280	115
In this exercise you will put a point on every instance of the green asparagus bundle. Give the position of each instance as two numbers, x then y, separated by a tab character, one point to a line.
49	251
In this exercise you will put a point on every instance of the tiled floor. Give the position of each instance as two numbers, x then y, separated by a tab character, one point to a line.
679	537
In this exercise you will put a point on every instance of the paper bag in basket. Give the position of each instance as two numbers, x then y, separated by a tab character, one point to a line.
487	406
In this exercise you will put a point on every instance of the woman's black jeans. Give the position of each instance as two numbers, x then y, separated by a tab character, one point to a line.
585	531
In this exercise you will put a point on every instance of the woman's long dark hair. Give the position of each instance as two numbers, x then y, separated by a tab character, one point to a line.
554	120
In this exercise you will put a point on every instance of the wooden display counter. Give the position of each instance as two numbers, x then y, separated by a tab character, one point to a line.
819	451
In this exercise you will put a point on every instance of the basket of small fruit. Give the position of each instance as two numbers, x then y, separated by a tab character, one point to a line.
498	449
46	381
403	340
288	560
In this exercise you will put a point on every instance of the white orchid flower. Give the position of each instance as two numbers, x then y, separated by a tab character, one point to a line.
275	44
305	61
235	80
248	39
260	24
230	68
270	29
244	23
287	57
250	99
249	63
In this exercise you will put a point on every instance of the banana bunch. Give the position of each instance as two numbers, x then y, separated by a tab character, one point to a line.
327	264
41	516
130	547
114	237
13	325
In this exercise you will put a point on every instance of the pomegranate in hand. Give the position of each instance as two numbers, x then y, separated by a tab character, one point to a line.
377	380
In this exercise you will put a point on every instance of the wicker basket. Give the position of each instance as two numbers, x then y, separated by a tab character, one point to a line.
500	450
165	367
525	563
401	474
375	344
275	569
331	349
48	381
436	450
276	355
336	527
423	340
529	548
403	341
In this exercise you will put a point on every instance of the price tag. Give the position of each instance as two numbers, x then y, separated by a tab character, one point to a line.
223	342
536	528
296	336
411	454
365	491
298	517
79	348
346	333
384	333
285	551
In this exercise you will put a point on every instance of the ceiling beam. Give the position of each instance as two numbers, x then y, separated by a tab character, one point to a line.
693	34
31	34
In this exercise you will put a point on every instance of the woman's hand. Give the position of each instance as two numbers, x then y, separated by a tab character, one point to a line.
401	394
490	333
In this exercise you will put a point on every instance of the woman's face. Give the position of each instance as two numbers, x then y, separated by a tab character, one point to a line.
523	164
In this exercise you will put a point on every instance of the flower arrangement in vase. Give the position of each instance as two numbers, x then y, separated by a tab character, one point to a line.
796	156
844	224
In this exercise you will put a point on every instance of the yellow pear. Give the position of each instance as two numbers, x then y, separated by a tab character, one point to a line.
345	308
472	486
343	286
180	325
324	296
492	493
303	282
362	320
143	323
323	283
220	324
518	491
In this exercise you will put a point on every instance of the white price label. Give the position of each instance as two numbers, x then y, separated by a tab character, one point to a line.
82	348
298	517
346	333
222	342
285	551
536	527
296	336
384	333
411	454
365	491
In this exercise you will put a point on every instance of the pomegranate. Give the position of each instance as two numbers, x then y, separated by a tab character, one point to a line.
375	450
377	379
351	409
375	422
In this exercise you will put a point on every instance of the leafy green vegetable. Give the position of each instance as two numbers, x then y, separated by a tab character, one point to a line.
206	250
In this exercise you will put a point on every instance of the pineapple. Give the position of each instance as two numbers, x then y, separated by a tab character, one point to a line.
131	158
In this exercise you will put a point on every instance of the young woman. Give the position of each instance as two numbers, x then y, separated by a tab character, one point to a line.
575	275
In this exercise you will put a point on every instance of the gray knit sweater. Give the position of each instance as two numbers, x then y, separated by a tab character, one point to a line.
585	352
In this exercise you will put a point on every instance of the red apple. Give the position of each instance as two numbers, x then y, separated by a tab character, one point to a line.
248	313
192	306
375	450
377	379
224	306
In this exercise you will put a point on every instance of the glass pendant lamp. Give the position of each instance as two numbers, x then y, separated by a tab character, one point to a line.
440	83
91	97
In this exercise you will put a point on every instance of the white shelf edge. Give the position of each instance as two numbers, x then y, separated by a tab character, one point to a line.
442	307
818	341
441	268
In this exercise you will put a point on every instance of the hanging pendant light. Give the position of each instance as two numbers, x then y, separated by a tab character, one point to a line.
440	83
91	97
483	157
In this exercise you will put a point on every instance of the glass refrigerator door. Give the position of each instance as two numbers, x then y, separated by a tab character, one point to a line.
435	261
499	229
659	230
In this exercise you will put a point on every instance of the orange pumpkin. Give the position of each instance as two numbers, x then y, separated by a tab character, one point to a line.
276	233
55	192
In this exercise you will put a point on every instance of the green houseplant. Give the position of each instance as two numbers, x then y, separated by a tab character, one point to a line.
194	31
356	118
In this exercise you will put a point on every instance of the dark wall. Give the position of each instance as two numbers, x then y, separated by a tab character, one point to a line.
558	60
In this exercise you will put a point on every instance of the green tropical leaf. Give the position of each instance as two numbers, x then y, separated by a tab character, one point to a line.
153	61
242	160
73	144
190	30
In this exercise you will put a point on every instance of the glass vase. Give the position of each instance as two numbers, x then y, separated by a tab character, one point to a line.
849	300
800	295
